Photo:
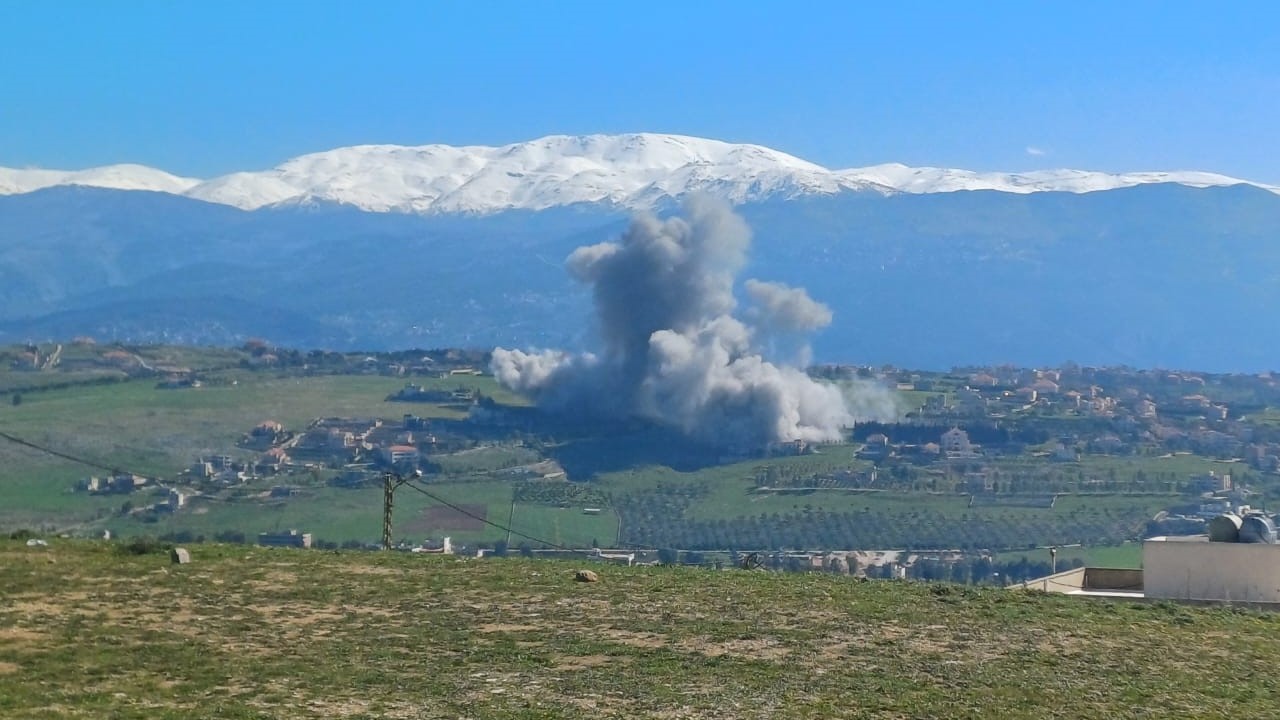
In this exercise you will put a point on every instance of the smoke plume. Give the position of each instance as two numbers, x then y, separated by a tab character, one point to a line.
673	351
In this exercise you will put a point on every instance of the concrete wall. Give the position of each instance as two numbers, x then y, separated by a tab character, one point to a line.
1086	580
1196	569
1063	582
1113	579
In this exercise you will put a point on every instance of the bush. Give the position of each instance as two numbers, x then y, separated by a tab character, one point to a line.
144	545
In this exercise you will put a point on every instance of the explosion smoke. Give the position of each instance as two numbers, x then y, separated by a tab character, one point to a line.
673	350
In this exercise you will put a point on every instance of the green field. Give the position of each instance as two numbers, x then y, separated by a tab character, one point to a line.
719	502
1128	555
88	630
137	427
339	515
656	489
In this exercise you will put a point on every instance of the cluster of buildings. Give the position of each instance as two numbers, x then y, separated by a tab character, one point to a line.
169	499
1122	411
336	441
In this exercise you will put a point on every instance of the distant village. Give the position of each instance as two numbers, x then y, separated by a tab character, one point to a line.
999	435
1016	435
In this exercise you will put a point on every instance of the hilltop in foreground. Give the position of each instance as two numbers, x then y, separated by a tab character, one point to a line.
89	631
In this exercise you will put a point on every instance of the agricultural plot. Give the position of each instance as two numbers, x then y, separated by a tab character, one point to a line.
342	515
704	512
1126	555
484	460
136	426
645	485
446	520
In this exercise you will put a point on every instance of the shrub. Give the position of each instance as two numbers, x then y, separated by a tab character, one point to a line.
144	545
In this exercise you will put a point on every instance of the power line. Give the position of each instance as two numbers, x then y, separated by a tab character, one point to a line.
485	520
65	456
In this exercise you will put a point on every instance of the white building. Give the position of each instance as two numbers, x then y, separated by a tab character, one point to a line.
1186	569
1192	568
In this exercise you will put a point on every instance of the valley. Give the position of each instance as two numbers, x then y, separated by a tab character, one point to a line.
224	444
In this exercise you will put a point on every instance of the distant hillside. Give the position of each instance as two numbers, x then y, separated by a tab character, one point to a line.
251	632
1153	275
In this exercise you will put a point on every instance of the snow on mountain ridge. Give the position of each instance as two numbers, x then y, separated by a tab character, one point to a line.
638	170
626	170
117	177
932	180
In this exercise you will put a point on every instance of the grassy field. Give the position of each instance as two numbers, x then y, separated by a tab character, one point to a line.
730	493
1127	555
136	426
339	515
87	631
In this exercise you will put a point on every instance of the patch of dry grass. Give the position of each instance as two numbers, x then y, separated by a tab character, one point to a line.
278	633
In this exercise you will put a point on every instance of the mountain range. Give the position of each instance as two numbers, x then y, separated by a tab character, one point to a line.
634	171
393	247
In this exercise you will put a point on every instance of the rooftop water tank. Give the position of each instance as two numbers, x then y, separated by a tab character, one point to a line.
1257	529
1225	528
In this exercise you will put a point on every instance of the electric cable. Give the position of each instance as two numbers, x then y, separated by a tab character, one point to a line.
484	520
67	456
120	471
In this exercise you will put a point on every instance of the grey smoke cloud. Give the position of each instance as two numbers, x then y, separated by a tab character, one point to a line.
781	308
784	317
674	352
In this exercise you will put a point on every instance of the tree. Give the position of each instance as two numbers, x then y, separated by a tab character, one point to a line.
17	399
981	570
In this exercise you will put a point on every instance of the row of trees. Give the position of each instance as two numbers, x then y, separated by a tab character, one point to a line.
925	529
560	493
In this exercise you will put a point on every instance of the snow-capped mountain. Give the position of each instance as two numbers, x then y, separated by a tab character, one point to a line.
622	170
114	177
932	180
160	267
638	170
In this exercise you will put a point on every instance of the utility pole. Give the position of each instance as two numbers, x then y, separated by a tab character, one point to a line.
388	498
510	517
390	481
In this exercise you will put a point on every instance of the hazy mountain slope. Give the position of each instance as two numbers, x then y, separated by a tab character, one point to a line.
1151	275
1154	275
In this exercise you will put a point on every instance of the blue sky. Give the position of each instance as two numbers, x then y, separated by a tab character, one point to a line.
207	88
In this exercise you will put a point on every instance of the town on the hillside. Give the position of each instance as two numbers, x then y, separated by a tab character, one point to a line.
982	460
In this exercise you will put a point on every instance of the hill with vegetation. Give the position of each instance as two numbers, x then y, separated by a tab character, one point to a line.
186	421
195	444
1162	274
93	629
